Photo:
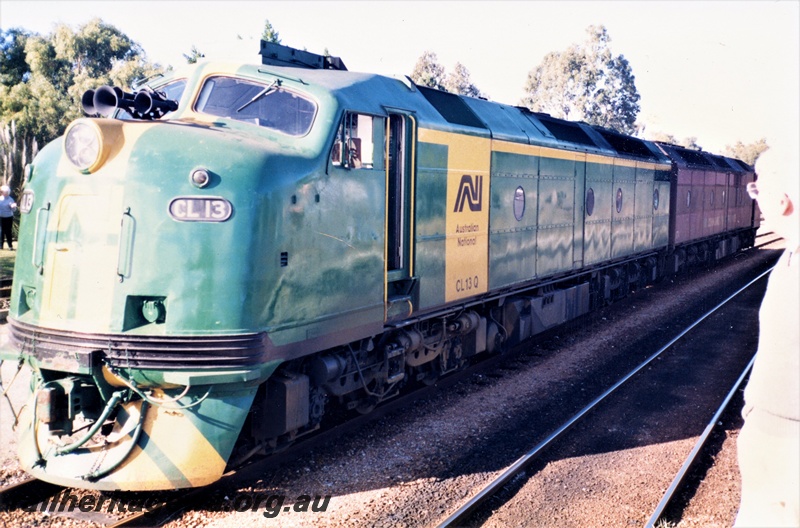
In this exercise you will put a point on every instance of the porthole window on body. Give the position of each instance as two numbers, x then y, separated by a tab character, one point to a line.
619	200
519	203
589	202
655	199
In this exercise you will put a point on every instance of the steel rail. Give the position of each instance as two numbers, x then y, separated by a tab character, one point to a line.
460	516
16	486
28	486
767	243
690	459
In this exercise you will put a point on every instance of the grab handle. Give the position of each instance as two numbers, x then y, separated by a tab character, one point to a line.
40	236
127	230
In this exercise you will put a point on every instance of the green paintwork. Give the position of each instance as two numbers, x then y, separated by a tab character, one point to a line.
430	209
554	251
597	246
622	222
512	243
661	215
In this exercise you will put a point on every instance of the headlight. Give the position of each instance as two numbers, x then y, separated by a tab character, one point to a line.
83	145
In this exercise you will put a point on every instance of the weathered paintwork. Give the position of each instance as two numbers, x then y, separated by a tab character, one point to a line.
176	448
462	202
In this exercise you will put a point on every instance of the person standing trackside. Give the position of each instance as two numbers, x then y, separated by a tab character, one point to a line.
7	208
768	445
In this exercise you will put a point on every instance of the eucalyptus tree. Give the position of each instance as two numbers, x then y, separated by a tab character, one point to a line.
429	72
586	82
193	56
270	34
40	94
13	66
749	152
459	81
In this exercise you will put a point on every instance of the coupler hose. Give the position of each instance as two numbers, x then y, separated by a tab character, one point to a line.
100	473
110	406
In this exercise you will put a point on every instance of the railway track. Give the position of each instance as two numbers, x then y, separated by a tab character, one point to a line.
195	498
766	238
467	513
675	487
26	490
31	491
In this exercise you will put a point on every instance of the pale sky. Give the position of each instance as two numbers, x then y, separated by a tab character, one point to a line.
721	71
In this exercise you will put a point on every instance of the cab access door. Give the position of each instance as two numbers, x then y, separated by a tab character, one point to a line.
401	285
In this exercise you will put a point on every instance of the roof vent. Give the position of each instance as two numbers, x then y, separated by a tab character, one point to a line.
280	55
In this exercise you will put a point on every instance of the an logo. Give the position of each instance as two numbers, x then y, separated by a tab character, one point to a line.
471	192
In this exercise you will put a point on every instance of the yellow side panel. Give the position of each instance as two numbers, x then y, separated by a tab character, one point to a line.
467	217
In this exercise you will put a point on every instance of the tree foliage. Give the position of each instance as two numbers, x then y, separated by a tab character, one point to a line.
586	82
13	66
94	49
459	82
748	153
270	34
193	56
687	142
44	77
429	72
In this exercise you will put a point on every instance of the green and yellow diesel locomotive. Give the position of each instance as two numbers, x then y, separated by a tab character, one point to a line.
234	250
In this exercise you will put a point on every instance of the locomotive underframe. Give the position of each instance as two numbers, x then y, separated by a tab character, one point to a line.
355	376
363	373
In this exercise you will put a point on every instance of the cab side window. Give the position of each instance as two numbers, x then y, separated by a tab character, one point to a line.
359	142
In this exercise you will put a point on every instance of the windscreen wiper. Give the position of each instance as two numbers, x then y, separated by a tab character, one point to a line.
269	89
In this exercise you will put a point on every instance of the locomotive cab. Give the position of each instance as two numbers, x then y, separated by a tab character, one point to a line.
201	233
150	243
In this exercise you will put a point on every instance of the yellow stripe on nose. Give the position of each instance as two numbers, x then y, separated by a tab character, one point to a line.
172	453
